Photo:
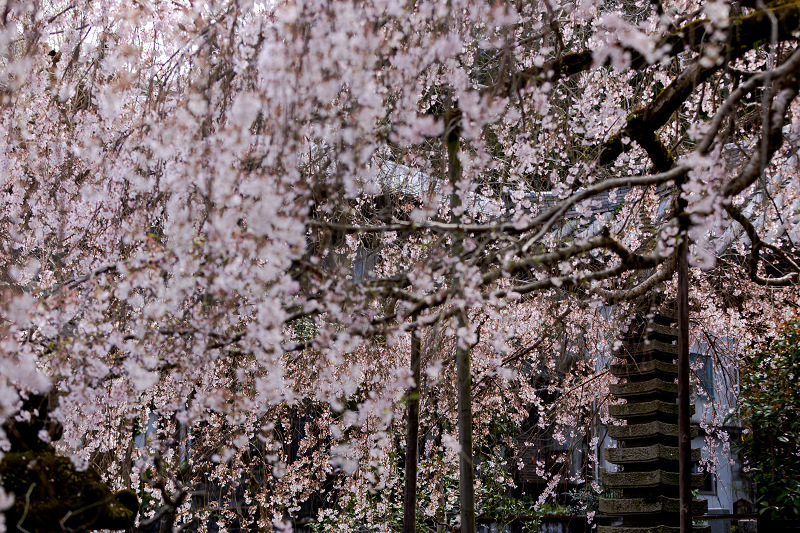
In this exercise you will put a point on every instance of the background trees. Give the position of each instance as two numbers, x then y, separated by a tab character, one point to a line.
222	220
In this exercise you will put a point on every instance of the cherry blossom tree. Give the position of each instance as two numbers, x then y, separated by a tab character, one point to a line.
238	238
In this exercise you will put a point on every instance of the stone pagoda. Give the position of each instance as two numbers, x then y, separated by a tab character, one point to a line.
51	495
646	481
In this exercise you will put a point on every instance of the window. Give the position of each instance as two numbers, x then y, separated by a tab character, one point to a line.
703	367
709	481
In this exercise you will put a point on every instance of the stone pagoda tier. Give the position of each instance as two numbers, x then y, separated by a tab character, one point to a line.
646	481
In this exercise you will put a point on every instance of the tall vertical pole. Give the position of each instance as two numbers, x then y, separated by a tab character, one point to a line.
684	393
466	468
412	438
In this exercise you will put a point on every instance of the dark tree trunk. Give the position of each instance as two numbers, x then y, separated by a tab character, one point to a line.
412	438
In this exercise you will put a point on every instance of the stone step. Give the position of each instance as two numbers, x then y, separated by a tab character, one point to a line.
648	430
656	504
645	480
654	366
643	388
646	454
628	411
650	529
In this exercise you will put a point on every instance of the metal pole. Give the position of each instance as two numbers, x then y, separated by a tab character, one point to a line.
684	392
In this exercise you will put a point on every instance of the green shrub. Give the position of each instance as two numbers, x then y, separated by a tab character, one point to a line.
770	411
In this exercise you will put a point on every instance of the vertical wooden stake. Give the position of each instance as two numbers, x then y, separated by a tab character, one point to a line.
412	438
684	388
466	468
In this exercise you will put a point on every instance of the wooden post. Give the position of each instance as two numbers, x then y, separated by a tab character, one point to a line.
466	471
412	438
684	388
